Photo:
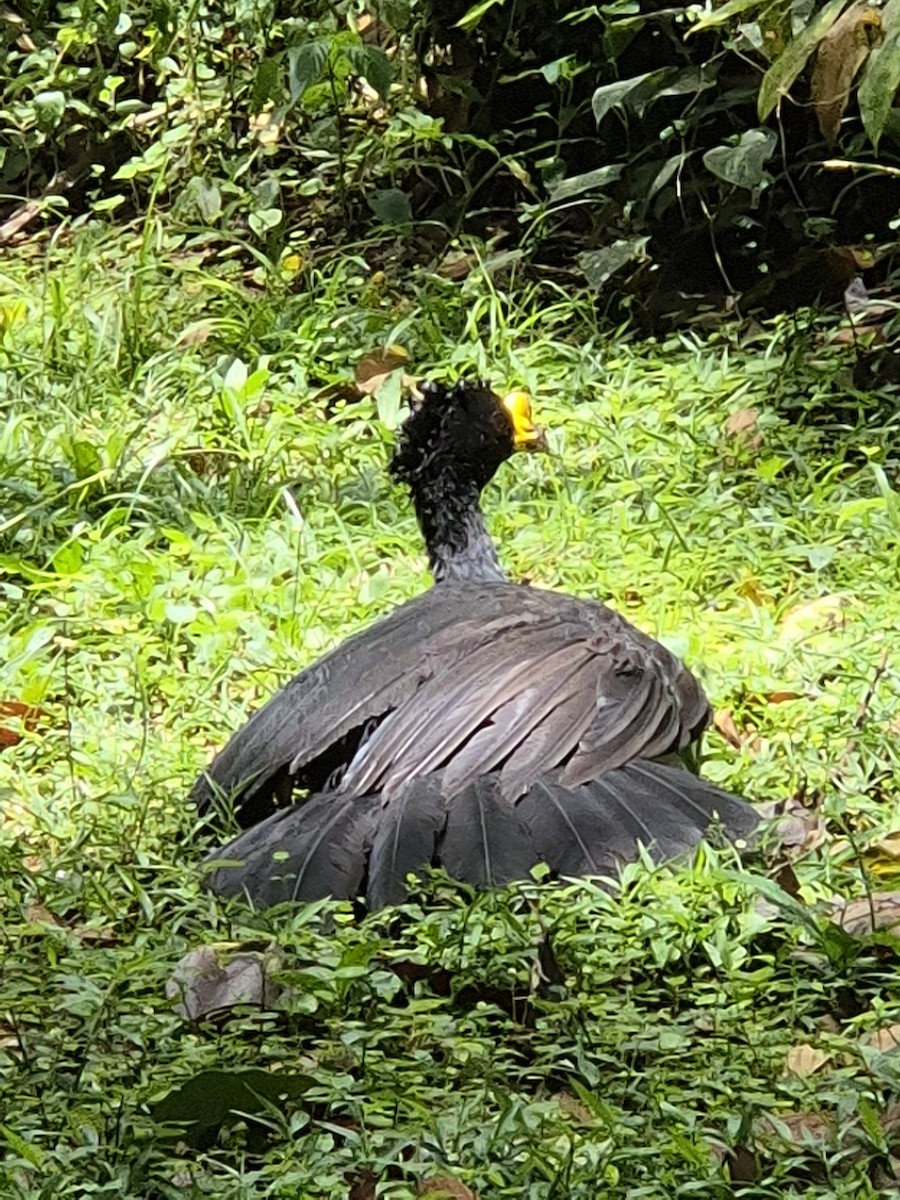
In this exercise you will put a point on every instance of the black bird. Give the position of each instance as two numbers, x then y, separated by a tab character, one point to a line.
483	727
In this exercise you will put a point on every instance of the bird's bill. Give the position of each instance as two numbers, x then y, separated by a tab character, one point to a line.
526	435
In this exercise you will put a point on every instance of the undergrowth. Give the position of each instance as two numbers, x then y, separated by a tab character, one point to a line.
192	506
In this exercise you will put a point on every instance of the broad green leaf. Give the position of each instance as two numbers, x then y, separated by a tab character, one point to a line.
590	180
612	95
305	65
743	164
881	77
373	65
391	206
265	219
50	107
720	15
471	18
600	265
266	84
779	78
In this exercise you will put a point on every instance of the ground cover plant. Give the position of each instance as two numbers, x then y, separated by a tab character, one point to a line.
193	504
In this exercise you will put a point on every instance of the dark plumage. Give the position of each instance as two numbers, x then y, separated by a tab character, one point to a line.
483	726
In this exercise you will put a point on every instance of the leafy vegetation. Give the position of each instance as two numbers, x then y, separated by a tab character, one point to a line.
193	504
673	160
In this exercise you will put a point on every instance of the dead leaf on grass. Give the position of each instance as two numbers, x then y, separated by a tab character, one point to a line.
214	978
741	739
880	911
445	1187
29	715
804	1060
886	1039
373	370
794	828
743	427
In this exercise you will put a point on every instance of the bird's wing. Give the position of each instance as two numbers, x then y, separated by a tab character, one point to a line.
562	684
471	678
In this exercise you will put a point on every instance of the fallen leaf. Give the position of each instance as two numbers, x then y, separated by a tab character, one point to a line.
38	914
794	827
880	911
804	1060
797	1128
372	370
886	1039
889	846
214	978
574	1108
29	715
743	427
839	55
445	1187
741	739
724	722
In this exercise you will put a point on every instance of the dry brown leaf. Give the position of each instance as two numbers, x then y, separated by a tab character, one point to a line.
798	1128
795	828
839	55
40	915
214	978
28	714
783	697
195	335
886	1039
574	1108
805	1059
445	1187
743	426
741	739
879	911
456	265
888	846
373	369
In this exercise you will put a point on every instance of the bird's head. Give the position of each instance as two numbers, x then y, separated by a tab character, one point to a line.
467	426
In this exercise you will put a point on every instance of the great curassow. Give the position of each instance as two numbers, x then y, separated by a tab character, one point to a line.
483	726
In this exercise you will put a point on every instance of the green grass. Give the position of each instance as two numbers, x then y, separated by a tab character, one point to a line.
157	584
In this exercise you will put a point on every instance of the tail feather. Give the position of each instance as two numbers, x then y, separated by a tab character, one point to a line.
312	850
335	845
596	825
406	839
486	842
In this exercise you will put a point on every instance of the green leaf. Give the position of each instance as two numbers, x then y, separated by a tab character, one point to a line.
305	64
391	206
590	180
784	70
265	219
209	200
743	164
613	95
266	84
881	77
720	15
471	18
50	107
373	65
600	265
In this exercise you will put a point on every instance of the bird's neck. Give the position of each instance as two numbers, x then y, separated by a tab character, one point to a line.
458	543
